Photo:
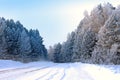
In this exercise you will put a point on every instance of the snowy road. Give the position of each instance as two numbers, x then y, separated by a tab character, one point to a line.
11	70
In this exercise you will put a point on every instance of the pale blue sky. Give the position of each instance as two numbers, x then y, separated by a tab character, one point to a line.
53	18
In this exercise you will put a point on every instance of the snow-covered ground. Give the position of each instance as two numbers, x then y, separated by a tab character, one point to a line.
11	70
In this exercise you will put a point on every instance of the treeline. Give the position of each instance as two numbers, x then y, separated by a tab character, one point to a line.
96	40
18	43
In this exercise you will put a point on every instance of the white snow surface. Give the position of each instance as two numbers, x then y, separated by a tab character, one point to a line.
43	70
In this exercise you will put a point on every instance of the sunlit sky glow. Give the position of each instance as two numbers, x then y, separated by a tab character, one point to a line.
53	18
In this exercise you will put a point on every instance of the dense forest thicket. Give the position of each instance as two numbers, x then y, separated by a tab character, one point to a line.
17	43
96	39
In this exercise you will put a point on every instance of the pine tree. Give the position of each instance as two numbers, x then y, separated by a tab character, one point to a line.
24	47
67	48
3	44
17	43
107	48
38	49
57	51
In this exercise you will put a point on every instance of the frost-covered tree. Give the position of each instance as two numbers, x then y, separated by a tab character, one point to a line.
107	48
57	51
24	45
38	49
17	43
12	36
97	38
3	44
67	48
83	46
51	53
62	52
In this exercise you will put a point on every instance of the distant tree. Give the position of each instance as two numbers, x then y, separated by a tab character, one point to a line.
56	53
67	48
51	53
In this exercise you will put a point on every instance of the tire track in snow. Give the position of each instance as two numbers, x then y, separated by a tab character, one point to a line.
48	73
59	74
78	71
44	75
16	69
64	74
23	72
38	75
51	76
39	69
